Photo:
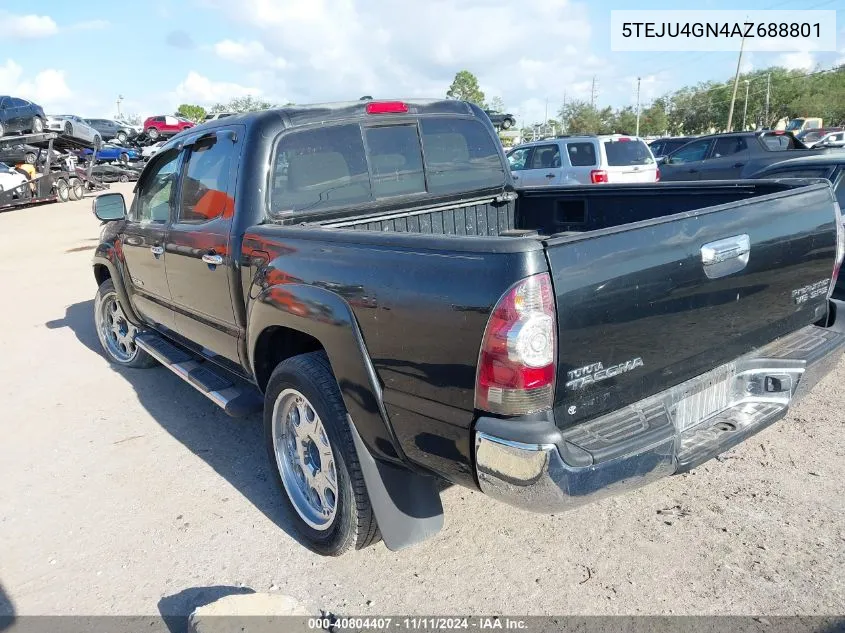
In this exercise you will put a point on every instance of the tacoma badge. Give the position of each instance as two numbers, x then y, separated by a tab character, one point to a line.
587	375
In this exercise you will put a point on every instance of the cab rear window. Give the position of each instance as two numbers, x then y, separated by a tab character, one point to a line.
625	152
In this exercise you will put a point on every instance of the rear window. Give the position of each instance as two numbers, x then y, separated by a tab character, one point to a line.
628	152
395	160
460	156
778	142
320	168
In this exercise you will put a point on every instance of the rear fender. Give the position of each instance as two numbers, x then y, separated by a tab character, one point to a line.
406	504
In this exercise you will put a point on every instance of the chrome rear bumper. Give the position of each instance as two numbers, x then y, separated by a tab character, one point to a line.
669	432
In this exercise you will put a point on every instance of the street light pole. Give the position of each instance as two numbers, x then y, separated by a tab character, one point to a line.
638	107
745	105
736	83
768	94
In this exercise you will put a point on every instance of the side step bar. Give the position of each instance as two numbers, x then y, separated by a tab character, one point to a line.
235	397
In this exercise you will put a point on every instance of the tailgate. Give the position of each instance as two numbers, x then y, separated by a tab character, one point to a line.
638	311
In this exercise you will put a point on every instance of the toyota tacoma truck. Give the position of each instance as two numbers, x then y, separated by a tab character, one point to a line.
366	275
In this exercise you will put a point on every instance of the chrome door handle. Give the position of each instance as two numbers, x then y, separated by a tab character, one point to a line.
550	175
212	260
726	256
157	250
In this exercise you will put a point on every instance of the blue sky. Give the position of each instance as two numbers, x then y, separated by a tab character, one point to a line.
78	57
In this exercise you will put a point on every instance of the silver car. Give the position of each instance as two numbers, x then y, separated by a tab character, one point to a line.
582	160
74	126
834	139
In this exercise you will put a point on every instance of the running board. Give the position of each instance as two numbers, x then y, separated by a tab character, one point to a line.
236	398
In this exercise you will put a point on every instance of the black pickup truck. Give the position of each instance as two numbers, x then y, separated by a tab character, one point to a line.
366	274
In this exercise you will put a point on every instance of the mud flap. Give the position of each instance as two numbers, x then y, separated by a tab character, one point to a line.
407	505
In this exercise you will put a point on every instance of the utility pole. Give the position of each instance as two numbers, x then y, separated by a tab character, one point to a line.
745	105
119	100
736	83
593	93
768	93
638	107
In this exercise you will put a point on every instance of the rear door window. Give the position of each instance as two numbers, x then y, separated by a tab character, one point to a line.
545	157
460	156
727	145
395	160
581	154
624	153
319	168
691	152
205	184
778	142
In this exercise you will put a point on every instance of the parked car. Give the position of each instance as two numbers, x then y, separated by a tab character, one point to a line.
16	154
110	129
112	153
664	146
113	173
833	139
218	115
156	126
10	179
20	115
135	127
812	136
830	166
75	127
149	151
584	160
566	342
500	119
731	155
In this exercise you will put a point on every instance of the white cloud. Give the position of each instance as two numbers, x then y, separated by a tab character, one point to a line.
342	49
249	53
27	26
47	87
800	60
89	25
196	88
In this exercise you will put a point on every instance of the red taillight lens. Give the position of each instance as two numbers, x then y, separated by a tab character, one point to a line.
387	107
516	368
598	175
840	249
657	178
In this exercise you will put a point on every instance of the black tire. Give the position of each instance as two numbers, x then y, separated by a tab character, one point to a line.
354	524
123	178
152	133
77	189
123	158
30	158
506	124
98	143
139	358
121	136
68	129
2	129
62	190
37	125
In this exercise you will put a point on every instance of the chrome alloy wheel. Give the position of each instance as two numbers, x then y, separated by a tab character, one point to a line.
117	334
305	459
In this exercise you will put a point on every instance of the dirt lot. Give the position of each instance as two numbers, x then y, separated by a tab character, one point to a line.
126	492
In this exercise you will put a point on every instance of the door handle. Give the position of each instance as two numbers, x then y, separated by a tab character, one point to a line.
515	177
692	171
738	164
550	175
212	259
158	251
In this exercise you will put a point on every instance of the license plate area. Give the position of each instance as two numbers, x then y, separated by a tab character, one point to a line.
708	399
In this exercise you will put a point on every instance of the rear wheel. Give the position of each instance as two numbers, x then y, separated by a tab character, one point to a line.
152	133
310	444
506	123
77	189
116	333
123	178
68	129
30	158
121	136
123	158
62	190
37	125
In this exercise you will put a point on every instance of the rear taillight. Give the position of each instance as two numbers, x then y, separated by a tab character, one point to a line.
387	107
516	366
840	248
657	176
598	175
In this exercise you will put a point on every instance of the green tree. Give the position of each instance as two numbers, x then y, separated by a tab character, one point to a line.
653	120
465	87
497	104
625	120
191	112
580	117
242	104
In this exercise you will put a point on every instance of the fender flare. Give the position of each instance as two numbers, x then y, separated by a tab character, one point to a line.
406	503
104	256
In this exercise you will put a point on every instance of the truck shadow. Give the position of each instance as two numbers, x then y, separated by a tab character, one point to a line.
7	610
234	448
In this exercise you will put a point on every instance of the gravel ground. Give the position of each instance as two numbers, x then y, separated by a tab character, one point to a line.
126	492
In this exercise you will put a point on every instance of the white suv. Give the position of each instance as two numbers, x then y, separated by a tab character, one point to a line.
583	160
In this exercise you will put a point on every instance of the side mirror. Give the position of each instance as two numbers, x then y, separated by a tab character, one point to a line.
662	159
109	207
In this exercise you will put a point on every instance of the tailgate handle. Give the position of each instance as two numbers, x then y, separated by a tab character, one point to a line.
726	256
